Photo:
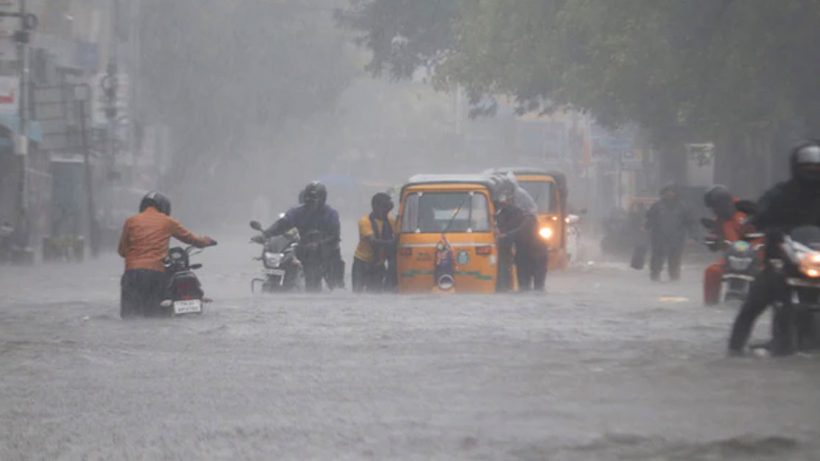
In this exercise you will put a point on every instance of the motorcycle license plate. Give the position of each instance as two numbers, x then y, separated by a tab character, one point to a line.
188	306
276	272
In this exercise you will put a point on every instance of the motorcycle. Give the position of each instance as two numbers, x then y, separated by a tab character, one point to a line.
741	263
184	293
282	269
796	318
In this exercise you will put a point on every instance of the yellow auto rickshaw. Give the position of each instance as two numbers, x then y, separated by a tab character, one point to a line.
447	235
549	191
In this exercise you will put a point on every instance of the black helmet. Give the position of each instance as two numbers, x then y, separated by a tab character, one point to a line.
381	199
720	200
315	193
156	200
805	162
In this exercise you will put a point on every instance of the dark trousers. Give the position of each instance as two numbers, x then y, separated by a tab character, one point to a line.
505	264
766	289
669	253
367	276
531	266
141	292
328	265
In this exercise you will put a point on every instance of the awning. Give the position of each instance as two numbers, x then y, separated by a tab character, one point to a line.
12	122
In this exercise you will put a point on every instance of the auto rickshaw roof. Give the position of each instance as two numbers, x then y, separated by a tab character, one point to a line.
525	171
560	178
422	179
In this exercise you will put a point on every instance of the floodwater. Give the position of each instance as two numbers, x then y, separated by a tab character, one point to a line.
604	366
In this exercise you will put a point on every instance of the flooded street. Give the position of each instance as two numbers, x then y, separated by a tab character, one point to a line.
438	141
604	366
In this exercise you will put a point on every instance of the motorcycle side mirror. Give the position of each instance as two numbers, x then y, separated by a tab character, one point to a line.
709	224
196	266
746	206
256	226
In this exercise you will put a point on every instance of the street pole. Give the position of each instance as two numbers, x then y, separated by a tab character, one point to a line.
111	84
93	226
21	143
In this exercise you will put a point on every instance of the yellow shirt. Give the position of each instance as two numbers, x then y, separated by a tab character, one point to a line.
365	251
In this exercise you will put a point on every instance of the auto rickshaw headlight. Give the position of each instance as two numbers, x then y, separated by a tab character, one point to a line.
545	233
446	282
810	264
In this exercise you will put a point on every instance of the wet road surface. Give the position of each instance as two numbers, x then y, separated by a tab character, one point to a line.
604	366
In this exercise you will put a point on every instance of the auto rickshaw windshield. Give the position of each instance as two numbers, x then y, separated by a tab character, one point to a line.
543	193
445	212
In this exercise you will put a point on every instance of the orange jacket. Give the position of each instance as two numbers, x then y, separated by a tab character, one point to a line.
733	228
145	238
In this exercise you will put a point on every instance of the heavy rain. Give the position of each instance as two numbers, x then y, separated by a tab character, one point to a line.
409	229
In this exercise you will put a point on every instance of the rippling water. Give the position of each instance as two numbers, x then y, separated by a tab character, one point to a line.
605	366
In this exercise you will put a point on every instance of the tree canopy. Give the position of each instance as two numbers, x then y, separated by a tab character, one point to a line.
680	68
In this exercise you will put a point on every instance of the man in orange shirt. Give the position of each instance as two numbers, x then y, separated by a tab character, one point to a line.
144	245
729	227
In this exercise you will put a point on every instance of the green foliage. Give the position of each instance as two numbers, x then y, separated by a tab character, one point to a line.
403	35
680	68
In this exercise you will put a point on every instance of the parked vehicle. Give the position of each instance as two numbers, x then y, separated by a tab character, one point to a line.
184	293
282	270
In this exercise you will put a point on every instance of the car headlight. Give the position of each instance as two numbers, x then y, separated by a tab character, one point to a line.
272	260
810	264
545	233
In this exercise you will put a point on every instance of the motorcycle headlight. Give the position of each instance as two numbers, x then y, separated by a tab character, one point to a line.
739	263
272	260
545	233
810	264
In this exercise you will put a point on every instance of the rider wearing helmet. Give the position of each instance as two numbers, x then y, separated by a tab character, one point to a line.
729	226
315	216
785	206
144	245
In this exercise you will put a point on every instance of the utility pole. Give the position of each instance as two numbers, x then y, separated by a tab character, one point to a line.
22	37
110	84
93	225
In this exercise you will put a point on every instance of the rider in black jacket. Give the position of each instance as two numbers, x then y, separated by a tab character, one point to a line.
314	215
782	208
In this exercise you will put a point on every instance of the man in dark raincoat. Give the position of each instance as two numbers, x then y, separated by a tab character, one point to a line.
668	222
